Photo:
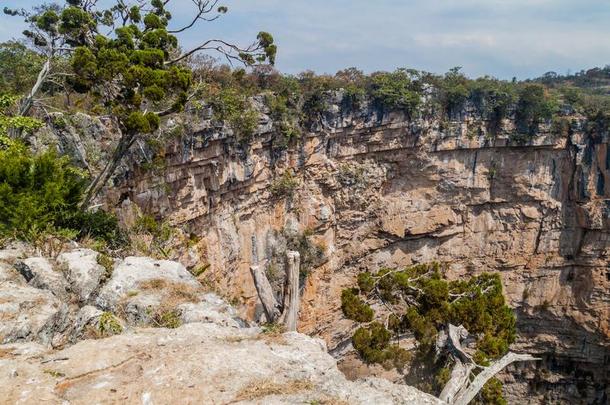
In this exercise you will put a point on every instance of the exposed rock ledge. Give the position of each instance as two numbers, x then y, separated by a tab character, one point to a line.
195	364
213	358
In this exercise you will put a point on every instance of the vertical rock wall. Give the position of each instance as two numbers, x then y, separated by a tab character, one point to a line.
378	190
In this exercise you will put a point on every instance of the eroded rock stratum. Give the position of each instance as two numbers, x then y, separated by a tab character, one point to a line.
380	190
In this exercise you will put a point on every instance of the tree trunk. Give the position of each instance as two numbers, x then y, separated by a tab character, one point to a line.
265	293
28	101
459	378
291	291
289	315
459	390
100	181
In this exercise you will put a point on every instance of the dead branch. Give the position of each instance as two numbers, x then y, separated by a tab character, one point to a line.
468	394
203	7
459	390
288	315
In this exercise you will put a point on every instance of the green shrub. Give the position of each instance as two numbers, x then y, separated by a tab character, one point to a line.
167	318
560	127
37	192
19	68
40	193
428	303
398	90
109	325
454	91
354	307
107	263
285	185
373	344
366	282
533	105
491	394
99	225
234	108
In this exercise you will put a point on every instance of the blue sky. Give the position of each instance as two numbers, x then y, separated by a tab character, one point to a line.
503	38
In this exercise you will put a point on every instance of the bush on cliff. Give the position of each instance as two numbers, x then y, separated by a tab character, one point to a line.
533	106
40	193
419	300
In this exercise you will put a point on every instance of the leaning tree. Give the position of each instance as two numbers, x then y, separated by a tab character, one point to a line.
457	363
128	58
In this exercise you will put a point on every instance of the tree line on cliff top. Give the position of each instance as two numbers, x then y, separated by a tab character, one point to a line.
125	62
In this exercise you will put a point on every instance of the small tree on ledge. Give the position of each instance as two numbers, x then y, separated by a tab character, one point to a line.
418	300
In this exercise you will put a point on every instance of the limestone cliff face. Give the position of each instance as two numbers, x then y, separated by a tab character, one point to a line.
381	190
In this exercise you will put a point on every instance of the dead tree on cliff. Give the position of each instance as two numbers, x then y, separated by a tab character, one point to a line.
128	60
461	389
288	312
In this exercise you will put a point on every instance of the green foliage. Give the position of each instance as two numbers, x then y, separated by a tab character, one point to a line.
107	263
373	344
354	307
273	329
284	113
167	318
399	90
19	67
234	108
11	121
285	185
148	224
494	99
454	91
533	106
491	394
366	282
427	303
100	225
40	194
109	325
37	192
312	255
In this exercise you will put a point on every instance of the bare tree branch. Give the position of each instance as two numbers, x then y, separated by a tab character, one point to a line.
459	390
203	8
479	381
218	45
265	293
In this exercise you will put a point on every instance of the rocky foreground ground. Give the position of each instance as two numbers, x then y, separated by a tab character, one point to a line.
81	328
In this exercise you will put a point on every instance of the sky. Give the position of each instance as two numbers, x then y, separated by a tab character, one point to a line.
501	38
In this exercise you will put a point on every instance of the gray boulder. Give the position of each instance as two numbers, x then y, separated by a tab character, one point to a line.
211	309
29	314
9	273
46	277
139	276
83	272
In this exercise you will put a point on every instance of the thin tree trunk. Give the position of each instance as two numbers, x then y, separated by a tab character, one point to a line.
265	293
459	390
100	181
291	291
459	378
28	101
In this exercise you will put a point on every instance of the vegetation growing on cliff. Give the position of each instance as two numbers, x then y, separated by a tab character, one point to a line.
137	73
420	301
40	193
